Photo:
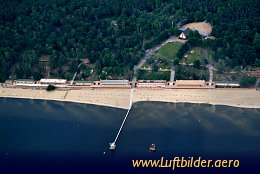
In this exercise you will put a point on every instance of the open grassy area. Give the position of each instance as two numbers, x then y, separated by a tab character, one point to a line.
170	49
157	59
164	65
193	55
150	75
151	61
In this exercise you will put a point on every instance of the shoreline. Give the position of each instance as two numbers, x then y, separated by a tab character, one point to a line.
241	98
119	98
74	96
69	101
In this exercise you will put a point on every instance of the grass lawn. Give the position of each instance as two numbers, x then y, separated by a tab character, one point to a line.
146	65
170	49
196	55
150	75
165	66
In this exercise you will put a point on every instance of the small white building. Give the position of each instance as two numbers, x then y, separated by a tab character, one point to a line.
151	84
53	81
228	84
83	83
112	84
24	81
191	83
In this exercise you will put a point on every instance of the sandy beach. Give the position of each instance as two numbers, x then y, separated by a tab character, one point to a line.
246	98
119	98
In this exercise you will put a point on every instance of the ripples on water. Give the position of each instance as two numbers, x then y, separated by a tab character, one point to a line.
49	134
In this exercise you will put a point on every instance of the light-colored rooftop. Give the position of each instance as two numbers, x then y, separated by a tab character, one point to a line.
109	82
24	80
190	82
53	81
151	81
227	83
82	81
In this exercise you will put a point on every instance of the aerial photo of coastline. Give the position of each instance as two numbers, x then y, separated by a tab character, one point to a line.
127	86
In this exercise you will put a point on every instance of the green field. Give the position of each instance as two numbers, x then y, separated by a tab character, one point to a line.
170	49
150	75
196	55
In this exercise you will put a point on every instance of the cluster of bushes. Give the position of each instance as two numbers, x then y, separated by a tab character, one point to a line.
247	81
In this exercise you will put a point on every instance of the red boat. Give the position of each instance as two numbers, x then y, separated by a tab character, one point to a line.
152	148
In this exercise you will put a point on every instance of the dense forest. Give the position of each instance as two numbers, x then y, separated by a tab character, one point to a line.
114	34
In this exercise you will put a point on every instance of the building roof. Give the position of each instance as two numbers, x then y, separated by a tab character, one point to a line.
190	82
53	80
23	80
82	81
186	32
85	60
109	82
210	37
182	36
44	58
226	83
114	22
151	81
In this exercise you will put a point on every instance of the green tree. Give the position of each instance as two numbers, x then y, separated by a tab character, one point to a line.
175	31
247	81
37	75
196	64
257	62
198	16
176	61
68	76
155	67
50	88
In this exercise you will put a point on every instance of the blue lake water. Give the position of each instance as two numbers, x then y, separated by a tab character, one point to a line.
43	136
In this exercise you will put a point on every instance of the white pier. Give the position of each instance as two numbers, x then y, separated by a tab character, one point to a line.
113	144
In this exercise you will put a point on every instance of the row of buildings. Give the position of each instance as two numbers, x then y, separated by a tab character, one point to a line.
63	83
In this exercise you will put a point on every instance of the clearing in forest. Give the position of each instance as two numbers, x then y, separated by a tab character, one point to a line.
203	28
170	49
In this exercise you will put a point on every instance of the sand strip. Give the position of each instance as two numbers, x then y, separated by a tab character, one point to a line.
119	98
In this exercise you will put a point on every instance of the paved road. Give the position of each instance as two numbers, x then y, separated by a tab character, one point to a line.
210	75
210	68
151	52
75	74
172	73
257	82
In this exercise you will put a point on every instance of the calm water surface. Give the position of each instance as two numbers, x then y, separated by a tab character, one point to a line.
38	135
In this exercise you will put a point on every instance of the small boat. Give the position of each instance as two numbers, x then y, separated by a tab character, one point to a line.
152	148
